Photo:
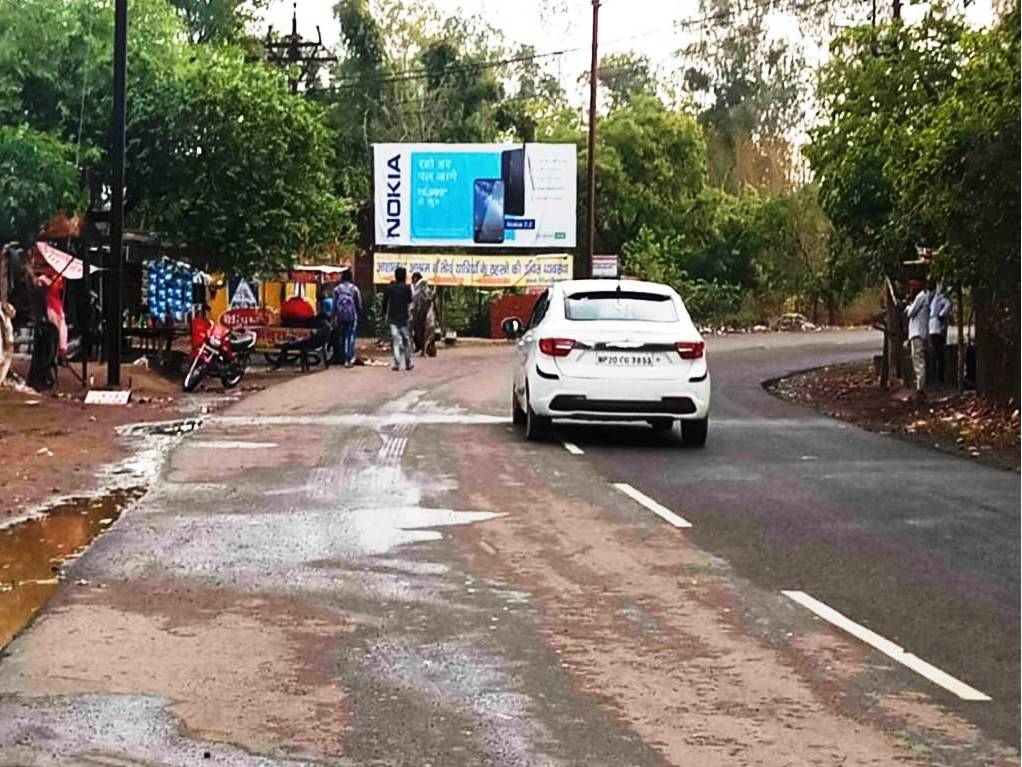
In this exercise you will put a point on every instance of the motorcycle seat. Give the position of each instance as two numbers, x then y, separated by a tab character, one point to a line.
242	340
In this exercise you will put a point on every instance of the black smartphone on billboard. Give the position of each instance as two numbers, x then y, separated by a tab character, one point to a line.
488	210
512	172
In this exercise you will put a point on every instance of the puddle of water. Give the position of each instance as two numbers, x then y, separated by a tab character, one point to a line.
33	552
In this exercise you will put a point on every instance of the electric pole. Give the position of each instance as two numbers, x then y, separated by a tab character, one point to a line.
592	136
115	265
293	51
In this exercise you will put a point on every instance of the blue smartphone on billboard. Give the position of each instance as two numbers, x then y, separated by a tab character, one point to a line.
488	210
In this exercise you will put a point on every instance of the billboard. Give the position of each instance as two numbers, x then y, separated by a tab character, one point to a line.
475	195
476	271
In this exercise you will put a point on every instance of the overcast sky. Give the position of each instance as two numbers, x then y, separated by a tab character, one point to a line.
646	26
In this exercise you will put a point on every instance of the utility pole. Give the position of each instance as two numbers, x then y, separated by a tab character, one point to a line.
592	136
293	51
115	265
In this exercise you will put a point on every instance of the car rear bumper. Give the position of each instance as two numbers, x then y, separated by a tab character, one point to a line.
594	399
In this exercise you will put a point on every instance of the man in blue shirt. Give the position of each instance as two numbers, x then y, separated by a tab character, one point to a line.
940	310
347	305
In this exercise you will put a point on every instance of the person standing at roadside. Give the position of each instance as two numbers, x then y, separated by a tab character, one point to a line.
423	316
397	301
918	313
940	310
347	305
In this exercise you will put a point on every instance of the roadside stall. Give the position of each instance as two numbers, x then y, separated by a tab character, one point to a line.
283	311
166	306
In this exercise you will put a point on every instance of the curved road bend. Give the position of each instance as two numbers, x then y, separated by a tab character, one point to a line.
371	568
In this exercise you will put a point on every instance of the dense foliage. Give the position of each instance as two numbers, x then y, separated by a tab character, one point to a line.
919	148
913	141
37	178
221	158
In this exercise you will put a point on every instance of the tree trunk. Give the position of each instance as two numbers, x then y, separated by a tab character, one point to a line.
997	351
3	274
6	328
960	313
894	333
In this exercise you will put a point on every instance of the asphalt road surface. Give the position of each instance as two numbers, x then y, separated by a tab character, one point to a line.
362	567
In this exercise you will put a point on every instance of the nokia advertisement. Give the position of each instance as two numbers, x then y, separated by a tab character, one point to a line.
475	195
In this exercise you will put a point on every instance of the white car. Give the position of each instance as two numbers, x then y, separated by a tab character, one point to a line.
610	350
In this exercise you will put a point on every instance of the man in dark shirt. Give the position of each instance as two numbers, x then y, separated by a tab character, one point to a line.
397	299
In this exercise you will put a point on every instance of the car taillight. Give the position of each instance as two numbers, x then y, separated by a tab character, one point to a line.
690	350
556	347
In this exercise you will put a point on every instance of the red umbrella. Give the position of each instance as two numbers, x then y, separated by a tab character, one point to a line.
66	266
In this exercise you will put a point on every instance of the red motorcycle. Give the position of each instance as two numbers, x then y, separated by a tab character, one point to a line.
222	352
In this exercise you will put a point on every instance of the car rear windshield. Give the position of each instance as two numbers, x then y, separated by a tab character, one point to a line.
620	305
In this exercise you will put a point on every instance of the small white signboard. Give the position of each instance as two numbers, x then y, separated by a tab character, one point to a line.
115	397
604	266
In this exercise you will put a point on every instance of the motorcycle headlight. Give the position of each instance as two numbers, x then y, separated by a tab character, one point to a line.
214	341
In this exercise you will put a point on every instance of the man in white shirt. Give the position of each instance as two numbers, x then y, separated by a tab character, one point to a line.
918	313
940	310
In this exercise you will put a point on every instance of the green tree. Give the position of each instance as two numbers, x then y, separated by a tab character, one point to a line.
754	86
55	56
250	179
623	76
650	165
659	257
218	21
357	100
878	90
960	188
37	180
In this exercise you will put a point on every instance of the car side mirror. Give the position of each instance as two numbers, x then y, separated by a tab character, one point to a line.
513	328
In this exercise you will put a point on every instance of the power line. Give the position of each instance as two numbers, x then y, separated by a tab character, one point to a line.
423	73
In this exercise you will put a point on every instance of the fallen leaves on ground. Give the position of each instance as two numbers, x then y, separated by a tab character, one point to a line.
949	420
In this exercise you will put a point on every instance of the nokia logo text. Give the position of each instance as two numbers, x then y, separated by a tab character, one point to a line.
394	196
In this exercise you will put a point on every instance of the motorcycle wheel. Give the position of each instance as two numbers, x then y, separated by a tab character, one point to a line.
233	376
194	374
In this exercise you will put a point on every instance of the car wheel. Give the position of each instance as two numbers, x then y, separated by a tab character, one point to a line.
537	427
661	425
518	416
693	433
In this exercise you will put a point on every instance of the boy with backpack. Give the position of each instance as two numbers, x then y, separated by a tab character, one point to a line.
347	305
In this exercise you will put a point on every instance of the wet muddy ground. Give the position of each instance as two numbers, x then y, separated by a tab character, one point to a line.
373	568
33	553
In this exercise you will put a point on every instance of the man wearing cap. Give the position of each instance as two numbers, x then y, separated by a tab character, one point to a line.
918	313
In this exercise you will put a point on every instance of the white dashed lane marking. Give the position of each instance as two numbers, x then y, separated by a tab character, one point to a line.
887	647
661	511
572	448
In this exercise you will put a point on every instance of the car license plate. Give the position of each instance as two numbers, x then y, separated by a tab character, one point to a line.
626	360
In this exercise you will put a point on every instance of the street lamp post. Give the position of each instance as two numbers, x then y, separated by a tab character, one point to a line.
115	264
592	137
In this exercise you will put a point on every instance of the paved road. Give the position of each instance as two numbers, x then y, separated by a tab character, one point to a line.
370	568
